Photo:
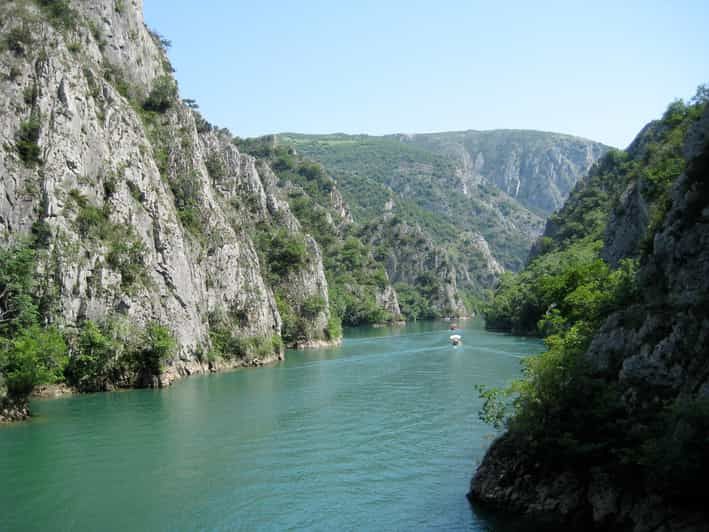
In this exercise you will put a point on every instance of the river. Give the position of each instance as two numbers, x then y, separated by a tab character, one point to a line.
378	434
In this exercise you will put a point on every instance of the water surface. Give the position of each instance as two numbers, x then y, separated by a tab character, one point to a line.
379	434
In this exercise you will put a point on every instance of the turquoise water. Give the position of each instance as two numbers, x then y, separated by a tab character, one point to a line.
379	434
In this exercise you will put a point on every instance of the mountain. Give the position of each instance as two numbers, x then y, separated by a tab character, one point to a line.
536	168
608	428
137	241
447	213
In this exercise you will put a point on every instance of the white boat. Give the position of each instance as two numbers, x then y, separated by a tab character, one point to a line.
456	339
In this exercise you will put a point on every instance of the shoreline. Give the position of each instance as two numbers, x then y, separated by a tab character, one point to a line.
180	369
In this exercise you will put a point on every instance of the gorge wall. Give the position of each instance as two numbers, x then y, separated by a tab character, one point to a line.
136	208
621	440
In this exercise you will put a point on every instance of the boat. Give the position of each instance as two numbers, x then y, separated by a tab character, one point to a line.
456	339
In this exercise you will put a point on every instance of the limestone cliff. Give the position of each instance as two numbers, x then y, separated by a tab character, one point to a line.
537	168
642	468
142	212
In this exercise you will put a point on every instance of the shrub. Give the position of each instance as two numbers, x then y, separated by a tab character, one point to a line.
187	202
282	250
313	305
27	141
159	346
127	257
59	13
162	96
18	308
91	366
18	39
92	222
34	356
334	327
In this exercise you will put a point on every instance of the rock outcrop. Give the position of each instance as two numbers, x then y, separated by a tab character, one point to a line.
142	211
537	168
654	352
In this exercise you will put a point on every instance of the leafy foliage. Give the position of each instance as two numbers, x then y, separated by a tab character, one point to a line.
353	274
228	345
162	96
34	356
126	253
158	346
565	294
372	170
29	354
18	304
282	250
60	13
19	39
93	364
27	141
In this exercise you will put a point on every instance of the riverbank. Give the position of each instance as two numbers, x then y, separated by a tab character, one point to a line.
11	411
558	498
377	434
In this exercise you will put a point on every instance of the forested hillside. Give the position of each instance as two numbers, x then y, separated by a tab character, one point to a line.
609	427
442	227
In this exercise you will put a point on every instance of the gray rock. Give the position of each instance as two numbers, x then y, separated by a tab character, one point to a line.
96	149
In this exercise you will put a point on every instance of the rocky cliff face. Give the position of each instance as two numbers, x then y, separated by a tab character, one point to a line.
536	168
654	352
141	213
479	198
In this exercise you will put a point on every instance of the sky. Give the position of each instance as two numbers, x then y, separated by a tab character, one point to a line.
599	70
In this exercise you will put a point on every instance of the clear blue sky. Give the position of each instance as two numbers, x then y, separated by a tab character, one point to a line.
597	69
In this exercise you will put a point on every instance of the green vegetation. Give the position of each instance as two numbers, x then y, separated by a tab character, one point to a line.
226	344
414	305
96	357
565	294
59	13
19	39
281	250
162	96
30	355
115	352
34	356
157	347
27	141
187	201
354	276
372	170
125	250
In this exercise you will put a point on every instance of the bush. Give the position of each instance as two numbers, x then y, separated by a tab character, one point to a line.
312	306
159	346
27	141
34	356
18	307
293	328
19	39
92	364
334	327
187	201
127	258
93	222
282	250
230	346
162	96
60	13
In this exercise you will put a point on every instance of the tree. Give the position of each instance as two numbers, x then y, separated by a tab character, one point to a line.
162	96
159	346
36	356
17	305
